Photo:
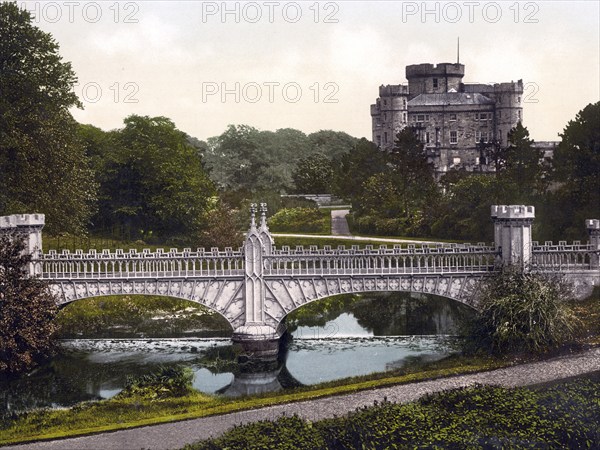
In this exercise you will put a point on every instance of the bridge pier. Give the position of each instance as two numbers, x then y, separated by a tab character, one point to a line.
257	339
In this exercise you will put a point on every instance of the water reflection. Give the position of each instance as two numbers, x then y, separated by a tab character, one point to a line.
338	338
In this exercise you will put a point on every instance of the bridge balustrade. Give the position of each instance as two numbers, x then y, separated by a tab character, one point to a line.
561	256
147	264
439	259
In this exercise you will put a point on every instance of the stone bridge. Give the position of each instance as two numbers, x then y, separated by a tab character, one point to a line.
256	286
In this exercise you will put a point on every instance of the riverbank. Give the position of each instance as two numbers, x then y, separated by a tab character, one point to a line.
177	434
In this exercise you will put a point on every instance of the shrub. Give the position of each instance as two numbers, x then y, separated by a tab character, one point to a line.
521	311
300	220
175	381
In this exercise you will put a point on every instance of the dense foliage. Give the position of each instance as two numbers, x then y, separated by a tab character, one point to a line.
27	310
521	311
562	416
152	181
244	158
43	167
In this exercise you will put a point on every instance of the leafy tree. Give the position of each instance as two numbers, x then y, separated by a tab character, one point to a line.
27	310
248	160
43	167
332	144
313	175
154	183
464	212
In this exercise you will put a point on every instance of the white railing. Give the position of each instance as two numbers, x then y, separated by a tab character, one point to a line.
145	264
563	256
425	259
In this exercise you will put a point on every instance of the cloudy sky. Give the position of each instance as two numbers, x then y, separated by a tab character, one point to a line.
314	65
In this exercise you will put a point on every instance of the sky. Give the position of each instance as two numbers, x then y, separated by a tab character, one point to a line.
314	65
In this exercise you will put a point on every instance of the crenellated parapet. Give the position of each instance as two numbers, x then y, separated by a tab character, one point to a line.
512	233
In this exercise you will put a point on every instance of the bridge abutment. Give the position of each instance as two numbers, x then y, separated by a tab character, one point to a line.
593	228
512	233
30	227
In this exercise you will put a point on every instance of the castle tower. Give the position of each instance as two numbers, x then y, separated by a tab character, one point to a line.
434	79
390	114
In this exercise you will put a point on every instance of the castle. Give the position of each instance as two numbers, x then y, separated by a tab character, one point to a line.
453	119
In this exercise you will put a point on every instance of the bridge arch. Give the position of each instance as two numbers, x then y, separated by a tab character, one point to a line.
284	296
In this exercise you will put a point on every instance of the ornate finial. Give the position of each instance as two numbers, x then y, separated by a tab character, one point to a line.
252	215
263	215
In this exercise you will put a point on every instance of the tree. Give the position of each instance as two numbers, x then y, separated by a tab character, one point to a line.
313	175
413	174
27	310
576	164
354	168
43	167
521	170
464	212
153	182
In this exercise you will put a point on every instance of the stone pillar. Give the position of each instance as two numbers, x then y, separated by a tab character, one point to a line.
258	339
593	228
512	233
30	226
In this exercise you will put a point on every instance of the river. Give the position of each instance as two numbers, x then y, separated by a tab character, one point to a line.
331	339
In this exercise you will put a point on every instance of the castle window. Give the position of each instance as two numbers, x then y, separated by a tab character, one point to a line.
384	101
404	102
435	83
454	137
519	113
477	137
404	117
500	136
420	118
476	116
378	140
519	99
477	160
427	137
385	137
452	117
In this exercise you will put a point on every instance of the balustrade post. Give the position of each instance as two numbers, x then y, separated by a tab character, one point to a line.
512	233
593	228
30	226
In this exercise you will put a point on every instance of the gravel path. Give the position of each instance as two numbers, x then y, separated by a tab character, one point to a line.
339	224
176	435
